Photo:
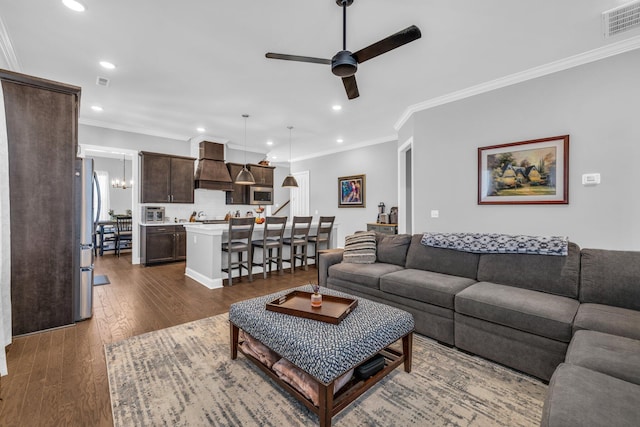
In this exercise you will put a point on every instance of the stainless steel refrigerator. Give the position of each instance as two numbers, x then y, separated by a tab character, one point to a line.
86	218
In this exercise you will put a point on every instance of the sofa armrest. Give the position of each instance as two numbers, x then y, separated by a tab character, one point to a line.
327	258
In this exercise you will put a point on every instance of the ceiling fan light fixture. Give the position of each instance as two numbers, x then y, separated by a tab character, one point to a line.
343	64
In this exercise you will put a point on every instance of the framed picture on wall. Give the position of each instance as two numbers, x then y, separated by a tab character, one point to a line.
525	172
351	191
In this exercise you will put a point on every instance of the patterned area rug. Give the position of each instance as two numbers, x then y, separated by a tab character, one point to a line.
183	376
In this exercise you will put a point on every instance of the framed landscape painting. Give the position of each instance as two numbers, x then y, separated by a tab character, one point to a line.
351	191
526	172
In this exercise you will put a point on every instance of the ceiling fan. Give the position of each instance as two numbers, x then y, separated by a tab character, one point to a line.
345	64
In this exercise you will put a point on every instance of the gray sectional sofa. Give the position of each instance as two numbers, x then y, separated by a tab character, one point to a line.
527	312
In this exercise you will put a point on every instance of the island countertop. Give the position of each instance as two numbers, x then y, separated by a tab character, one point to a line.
205	258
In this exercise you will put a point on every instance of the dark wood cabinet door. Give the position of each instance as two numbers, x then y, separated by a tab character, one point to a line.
41	118
240	193
159	247
156	178
182	183
262	174
180	244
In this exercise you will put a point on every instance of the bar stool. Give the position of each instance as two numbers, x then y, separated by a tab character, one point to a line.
323	235
240	232
271	239
299	239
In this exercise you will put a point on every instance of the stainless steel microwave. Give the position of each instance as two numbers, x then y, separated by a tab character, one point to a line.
260	195
152	214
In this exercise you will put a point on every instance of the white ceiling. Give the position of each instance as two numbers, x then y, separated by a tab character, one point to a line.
184	64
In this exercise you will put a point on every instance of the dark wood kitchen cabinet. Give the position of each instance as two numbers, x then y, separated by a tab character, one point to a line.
42	129
162	243
262	174
166	179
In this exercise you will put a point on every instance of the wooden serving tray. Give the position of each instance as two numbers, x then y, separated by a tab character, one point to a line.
298	303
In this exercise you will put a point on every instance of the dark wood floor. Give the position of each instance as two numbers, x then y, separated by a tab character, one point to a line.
59	377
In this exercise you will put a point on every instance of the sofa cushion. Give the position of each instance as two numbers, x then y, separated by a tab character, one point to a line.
610	277
578	396
445	261
608	319
606	353
552	274
535	312
360	248
392	248
363	274
426	286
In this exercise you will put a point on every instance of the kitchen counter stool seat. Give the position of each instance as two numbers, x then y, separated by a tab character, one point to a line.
271	240
240	233
299	239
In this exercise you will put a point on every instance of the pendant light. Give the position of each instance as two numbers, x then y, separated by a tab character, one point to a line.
290	181
245	177
116	182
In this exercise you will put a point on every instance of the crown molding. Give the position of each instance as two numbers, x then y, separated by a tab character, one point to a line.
132	129
6	46
597	54
350	147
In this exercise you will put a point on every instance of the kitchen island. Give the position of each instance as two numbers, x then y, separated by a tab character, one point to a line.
205	258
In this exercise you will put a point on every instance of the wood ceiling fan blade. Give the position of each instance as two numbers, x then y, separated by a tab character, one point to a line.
398	39
351	87
298	58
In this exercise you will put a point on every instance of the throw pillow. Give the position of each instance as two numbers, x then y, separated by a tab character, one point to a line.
392	248
360	248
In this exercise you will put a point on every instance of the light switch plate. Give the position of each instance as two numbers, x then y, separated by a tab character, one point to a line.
435	213
590	179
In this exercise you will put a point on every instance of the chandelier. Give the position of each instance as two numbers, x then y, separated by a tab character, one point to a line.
116	183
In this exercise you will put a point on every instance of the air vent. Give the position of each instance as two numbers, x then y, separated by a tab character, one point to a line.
620	19
102	81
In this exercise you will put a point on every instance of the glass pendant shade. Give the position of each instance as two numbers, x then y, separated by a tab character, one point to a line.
245	177
289	181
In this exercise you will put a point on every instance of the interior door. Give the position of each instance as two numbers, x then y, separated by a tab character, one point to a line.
299	195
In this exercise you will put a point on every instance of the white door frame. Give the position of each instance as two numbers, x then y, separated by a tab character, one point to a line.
403	209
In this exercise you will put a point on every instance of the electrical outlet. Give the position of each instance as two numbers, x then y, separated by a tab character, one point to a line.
435	213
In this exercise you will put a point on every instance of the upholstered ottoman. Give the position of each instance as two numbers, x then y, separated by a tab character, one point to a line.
323	350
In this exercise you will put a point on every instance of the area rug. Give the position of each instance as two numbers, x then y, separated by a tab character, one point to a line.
100	279
183	376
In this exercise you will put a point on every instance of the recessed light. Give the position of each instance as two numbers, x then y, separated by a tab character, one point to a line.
96	108
200	129
74	5
108	65
274	157
269	142
339	140
337	107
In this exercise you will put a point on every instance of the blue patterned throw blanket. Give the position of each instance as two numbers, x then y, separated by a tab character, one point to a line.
491	243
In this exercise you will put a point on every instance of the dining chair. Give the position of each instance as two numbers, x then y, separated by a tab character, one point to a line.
124	233
239	241
271	240
322	236
299	239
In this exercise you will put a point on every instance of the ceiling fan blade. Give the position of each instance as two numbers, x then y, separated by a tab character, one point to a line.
298	58
351	87
398	39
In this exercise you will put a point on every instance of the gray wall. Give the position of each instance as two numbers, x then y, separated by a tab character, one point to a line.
377	162
119	199
596	104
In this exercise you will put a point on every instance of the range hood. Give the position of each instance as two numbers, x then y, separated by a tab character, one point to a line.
212	172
